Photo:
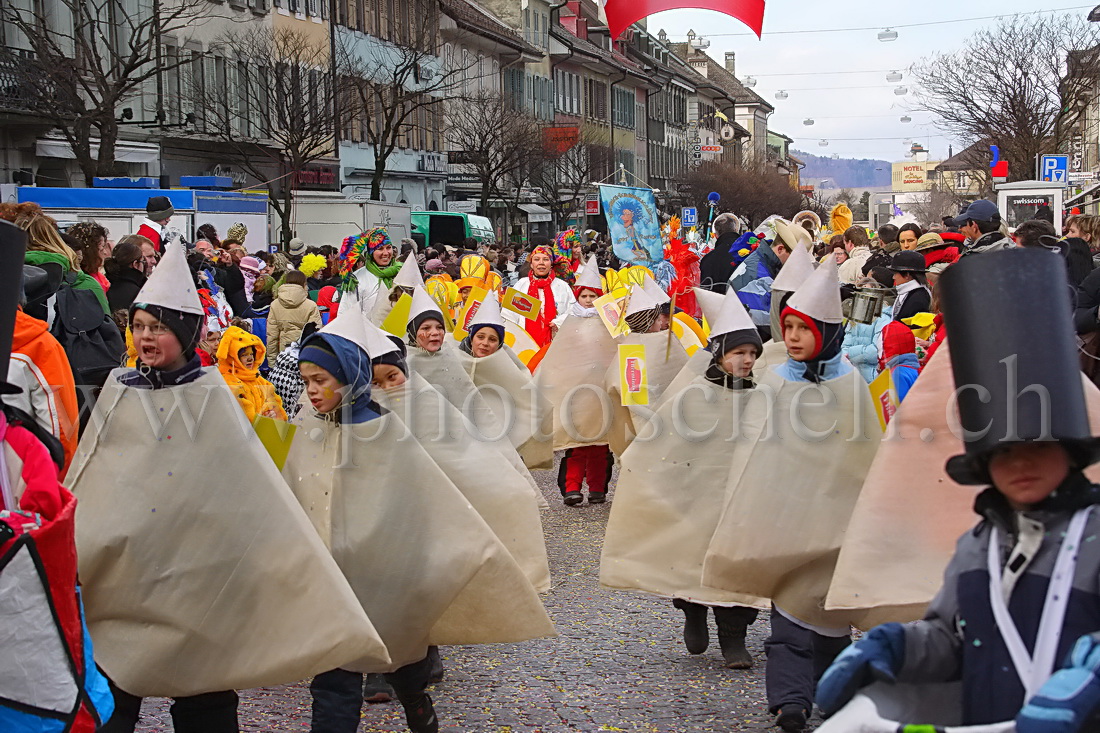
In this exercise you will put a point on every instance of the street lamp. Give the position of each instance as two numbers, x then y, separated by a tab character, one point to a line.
888	35
893	76
808	121
750	82
781	94
906	119
901	91
823	143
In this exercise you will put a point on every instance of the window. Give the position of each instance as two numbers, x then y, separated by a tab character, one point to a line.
527	24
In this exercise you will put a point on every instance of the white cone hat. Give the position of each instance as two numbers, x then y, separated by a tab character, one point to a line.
710	303
422	303
731	317
488	313
653	290
640	301
819	296
795	271
171	284
409	275
589	276
378	341
351	324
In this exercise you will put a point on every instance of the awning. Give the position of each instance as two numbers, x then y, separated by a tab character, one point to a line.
535	213
125	152
1083	194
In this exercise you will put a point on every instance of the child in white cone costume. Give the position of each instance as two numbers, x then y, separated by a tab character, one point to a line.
197	582
416	553
781	531
672	490
505	384
571	376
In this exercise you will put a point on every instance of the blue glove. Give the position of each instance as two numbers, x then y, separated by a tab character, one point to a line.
1065	703
877	656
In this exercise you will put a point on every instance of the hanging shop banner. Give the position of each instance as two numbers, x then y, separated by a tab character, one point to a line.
633	223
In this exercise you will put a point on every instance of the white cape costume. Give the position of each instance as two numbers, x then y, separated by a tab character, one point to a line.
200	571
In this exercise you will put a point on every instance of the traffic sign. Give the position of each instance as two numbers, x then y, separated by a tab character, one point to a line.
689	216
1054	168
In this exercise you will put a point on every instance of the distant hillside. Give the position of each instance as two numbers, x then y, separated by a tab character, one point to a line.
845	172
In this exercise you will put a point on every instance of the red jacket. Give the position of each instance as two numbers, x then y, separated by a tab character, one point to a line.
152	234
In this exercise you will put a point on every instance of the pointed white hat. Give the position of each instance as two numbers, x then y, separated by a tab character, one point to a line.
589	276
791	235
488	313
731	317
795	271
422	303
819	296
710	303
351	324
171	284
378	341
409	275
653	290
639	301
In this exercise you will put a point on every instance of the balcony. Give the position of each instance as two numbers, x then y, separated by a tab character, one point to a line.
18	90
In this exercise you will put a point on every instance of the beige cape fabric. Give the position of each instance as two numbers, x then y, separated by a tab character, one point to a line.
571	376
782	528
200	571
496	490
660	372
670	496
910	513
444	371
506	386
424	564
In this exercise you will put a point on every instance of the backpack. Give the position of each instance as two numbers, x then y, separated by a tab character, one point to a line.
91	340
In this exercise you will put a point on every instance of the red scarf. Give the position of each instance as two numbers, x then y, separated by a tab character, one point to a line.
539	328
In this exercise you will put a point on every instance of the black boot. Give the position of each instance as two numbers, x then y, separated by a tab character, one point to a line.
435	675
376	689
791	719
696	634
420	714
408	684
733	625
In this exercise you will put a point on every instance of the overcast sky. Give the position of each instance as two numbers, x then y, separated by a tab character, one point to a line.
851	105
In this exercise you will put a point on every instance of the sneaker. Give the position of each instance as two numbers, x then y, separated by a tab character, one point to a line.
597	497
420	715
791	718
376	689
572	498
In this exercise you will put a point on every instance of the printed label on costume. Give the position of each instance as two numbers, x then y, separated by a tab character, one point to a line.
885	397
522	304
467	312
610	308
633	376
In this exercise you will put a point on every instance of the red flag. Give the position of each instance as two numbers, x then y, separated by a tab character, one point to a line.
621	13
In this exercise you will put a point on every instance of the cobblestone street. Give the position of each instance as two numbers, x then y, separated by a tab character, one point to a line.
618	664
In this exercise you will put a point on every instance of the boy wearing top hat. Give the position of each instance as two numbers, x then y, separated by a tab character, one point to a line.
910	283
1018	616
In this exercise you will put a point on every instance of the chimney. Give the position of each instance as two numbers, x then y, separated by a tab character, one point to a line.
731	62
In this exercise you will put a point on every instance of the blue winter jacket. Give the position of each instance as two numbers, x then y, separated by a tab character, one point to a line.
863	344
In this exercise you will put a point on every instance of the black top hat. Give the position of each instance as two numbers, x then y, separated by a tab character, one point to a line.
13	246
1014	357
907	261
159	207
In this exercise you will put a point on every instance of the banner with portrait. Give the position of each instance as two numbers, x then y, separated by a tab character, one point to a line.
633	223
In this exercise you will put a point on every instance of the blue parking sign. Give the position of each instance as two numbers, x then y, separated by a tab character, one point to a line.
689	216
1054	168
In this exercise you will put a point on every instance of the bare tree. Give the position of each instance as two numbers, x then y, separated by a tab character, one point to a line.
394	84
564	177
285	113
938	204
1021	84
77	62
494	140
755	192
